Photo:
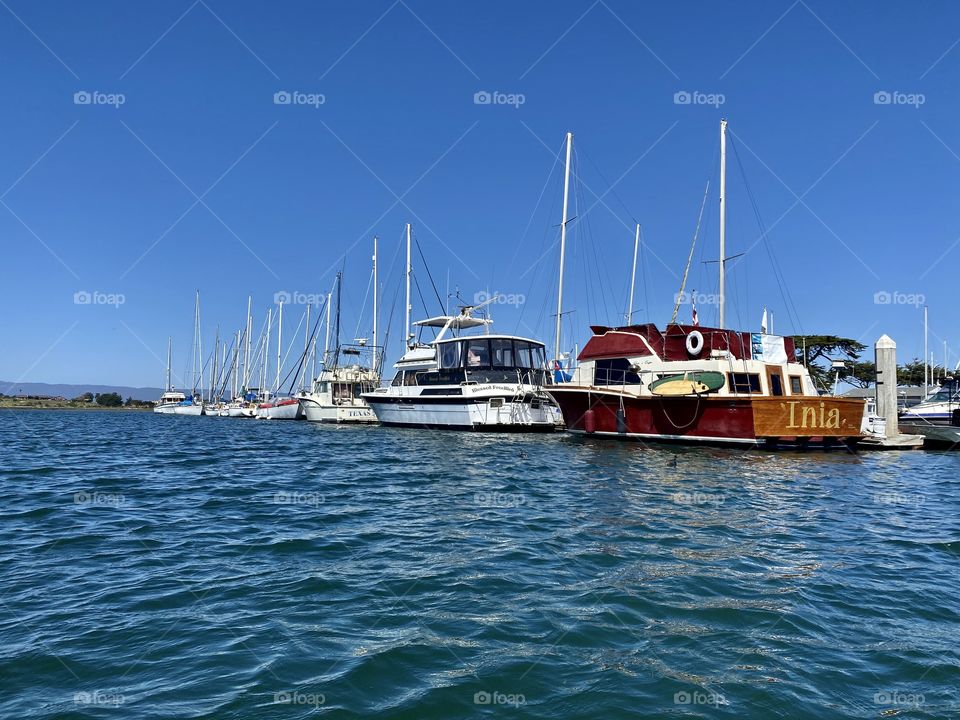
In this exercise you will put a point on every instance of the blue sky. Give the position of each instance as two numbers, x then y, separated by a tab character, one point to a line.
199	180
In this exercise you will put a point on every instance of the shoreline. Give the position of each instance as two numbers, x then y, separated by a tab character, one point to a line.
49	405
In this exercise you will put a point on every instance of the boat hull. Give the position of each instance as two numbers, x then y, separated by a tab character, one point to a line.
479	413
785	421
319	412
179	409
287	410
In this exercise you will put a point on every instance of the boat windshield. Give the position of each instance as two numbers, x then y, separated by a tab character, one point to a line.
943	395
488	359
492	353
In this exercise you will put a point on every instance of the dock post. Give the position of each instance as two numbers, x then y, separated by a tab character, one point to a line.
886	361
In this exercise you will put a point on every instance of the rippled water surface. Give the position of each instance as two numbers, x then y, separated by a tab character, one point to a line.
176	567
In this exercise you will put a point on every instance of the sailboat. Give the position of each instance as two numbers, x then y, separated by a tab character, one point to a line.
173	402
337	393
699	385
277	407
170	398
462	381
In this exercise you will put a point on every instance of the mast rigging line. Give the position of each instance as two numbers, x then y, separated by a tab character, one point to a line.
693	245
777	271
429	275
307	350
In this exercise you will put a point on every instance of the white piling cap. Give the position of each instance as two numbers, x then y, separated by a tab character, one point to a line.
885	343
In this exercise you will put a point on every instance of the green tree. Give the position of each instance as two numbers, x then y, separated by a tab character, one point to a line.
86	397
818	352
911	373
860	374
109	400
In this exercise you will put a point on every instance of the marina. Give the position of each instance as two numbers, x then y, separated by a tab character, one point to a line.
566	360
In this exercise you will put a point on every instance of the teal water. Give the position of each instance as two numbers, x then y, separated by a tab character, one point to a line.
168	567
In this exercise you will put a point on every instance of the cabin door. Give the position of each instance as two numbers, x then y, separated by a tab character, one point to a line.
775	380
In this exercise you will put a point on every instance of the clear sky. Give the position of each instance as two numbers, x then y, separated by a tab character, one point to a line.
174	169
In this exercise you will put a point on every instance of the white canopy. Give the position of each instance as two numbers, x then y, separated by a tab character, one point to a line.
458	322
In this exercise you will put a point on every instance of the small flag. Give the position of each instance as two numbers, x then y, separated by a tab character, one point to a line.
763	322
693	312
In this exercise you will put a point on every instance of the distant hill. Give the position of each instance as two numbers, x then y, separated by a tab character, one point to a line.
72	391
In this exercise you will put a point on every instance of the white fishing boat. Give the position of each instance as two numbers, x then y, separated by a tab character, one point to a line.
337	393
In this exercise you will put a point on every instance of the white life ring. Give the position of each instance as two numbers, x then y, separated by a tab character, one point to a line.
694	342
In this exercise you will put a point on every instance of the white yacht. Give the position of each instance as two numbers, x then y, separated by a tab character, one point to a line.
473	382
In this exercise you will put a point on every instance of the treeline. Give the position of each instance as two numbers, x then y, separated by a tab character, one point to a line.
818	352
111	399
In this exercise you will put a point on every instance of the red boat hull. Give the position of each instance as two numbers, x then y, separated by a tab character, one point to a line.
721	420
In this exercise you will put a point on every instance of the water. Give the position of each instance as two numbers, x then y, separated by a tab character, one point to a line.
168	567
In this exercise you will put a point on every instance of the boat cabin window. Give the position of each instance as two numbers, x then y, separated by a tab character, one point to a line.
502	353
744	383
617	371
796	385
942	395
450	355
478	353
398	379
524	356
410	378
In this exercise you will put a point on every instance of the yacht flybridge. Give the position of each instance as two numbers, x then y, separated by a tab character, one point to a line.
471	382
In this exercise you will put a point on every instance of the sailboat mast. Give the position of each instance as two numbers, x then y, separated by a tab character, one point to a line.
196	315
279	337
265	353
406	337
374	302
306	349
326	341
563	241
633	275
723	219
926	354
236	366
246	352
169	359
336	357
